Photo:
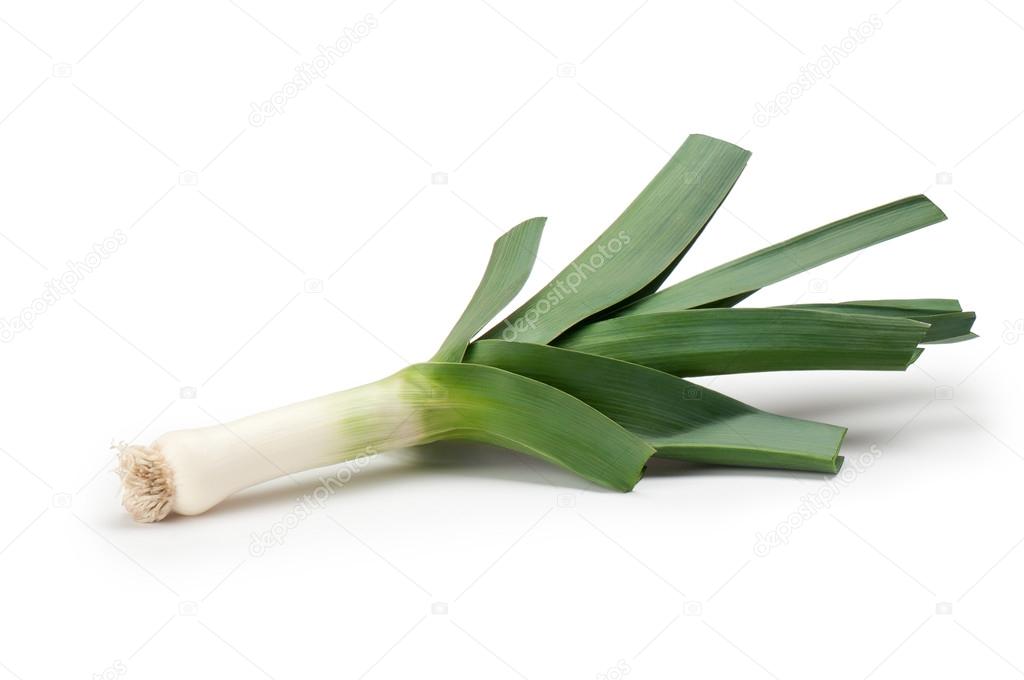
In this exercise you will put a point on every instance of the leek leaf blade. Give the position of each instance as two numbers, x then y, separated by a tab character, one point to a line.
511	262
947	322
741	340
728	283
493	406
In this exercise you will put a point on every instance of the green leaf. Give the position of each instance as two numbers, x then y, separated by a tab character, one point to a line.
728	283
949	338
946	321
915	305
493	406
639	248
737	340
680	419
508	269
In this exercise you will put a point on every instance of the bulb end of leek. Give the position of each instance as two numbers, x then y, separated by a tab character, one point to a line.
147	483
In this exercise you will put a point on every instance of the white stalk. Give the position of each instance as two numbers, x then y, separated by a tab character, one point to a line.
190	471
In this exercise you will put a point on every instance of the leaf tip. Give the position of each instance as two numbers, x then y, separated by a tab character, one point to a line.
941	215
700	137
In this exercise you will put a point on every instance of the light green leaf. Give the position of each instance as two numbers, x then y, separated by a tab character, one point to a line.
493	406
680	419
508	269
736	340
728	283
639	248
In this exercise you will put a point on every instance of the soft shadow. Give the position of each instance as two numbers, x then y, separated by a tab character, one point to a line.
932	420
664	467
452	458
857	440
814	406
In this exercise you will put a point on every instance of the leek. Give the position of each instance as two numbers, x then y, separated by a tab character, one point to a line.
587	374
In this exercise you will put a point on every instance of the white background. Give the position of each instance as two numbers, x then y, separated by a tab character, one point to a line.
465	561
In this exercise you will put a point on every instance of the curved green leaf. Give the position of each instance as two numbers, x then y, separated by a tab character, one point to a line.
508	269
737	340
493	406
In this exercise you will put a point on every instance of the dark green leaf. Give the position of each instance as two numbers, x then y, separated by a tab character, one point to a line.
946	322
735	340
680	419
